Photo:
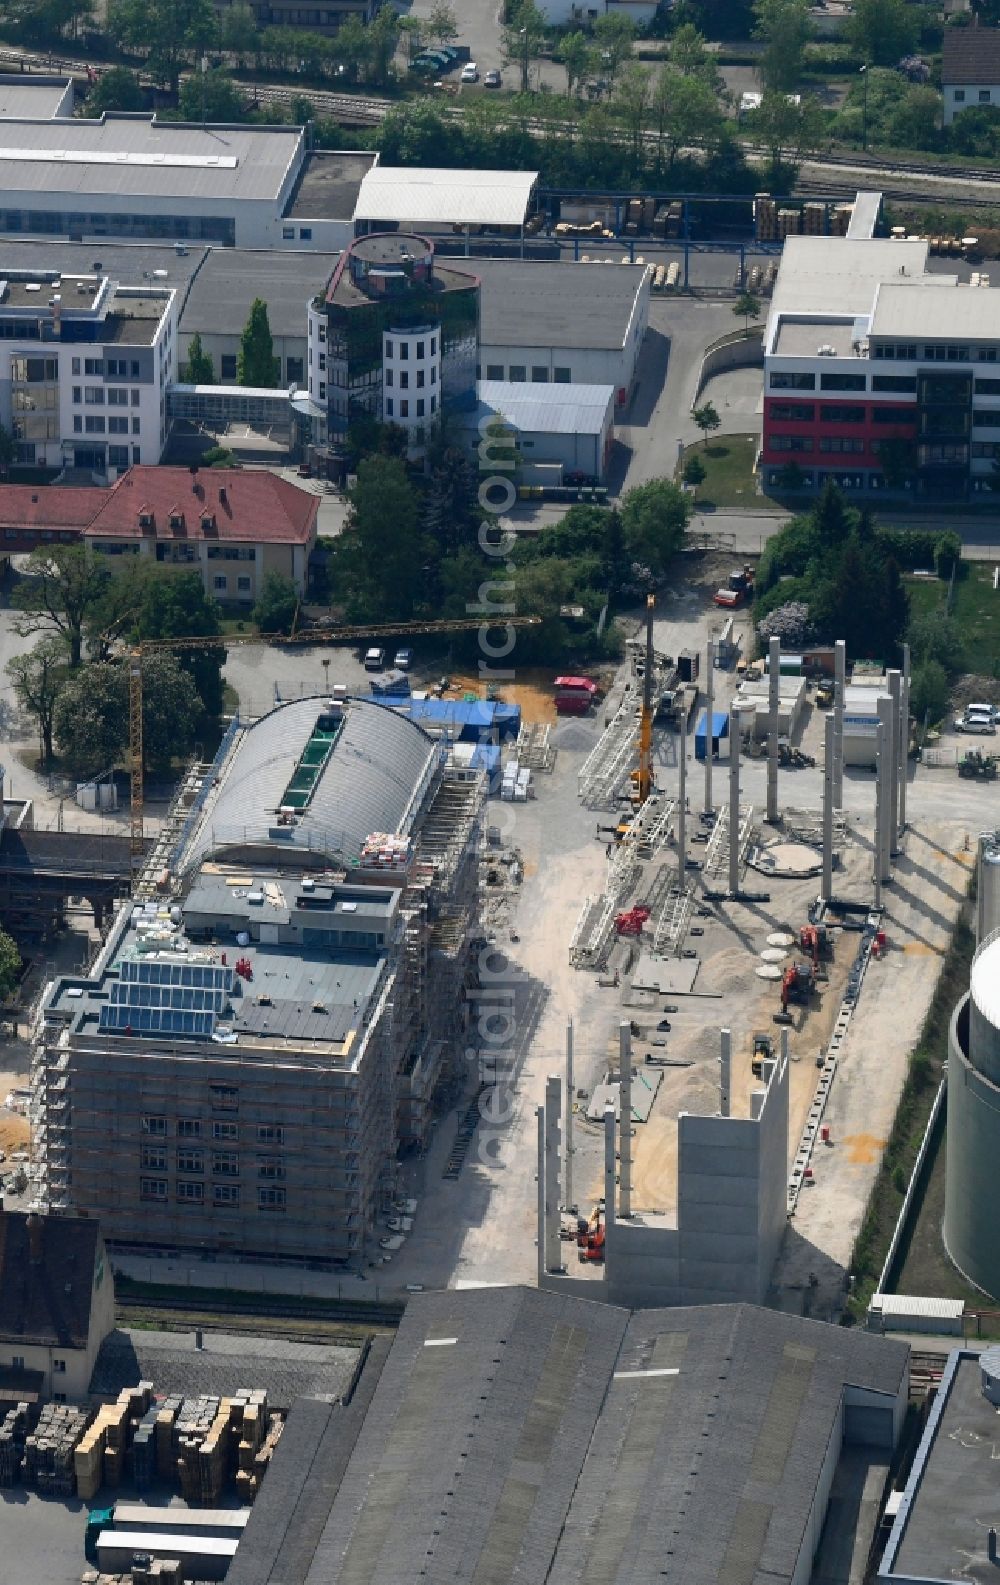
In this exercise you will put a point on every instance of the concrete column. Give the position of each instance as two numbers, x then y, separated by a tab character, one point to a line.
757	1098
682	805
610	1138
879	800
725	1073
625	1118
895	699
709	709
540	1217
887	764
828	768
783	1047
553	1109
773	705
568	1201
734	802
904	738
839	685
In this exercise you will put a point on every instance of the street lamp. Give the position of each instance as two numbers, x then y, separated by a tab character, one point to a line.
864	111
523	32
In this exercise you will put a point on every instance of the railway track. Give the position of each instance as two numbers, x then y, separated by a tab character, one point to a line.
337	1322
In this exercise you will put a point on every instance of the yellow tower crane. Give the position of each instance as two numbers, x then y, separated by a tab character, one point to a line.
642	776
316	635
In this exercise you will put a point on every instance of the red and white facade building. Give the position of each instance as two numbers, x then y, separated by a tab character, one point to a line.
865	346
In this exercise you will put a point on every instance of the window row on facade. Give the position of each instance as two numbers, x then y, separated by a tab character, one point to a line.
223	1194
517	374
221	1163
156	1126
401	409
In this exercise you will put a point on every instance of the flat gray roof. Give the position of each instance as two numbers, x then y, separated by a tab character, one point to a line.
28	98
141	157
515	1435
531	303
130	263
951	1496
329	185
413	195
230	278
938	310
221	1365
544	409
802	338
838	276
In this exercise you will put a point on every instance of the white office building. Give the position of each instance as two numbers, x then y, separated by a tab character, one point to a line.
84	369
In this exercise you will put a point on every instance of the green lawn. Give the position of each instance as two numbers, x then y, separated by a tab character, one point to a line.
729	475
976	609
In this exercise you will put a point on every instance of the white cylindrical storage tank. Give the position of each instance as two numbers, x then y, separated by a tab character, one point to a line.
971	1225
988	880
411	381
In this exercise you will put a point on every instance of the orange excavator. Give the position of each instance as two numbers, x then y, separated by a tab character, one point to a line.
815	941
797	985
590	1237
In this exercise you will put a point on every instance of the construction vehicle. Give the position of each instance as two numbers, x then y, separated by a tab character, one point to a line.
817	943
574	695
315	635
763	1051
797	985
630	922
737	590
824	696
977	766
590	1237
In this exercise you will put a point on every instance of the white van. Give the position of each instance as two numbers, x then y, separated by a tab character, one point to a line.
980	725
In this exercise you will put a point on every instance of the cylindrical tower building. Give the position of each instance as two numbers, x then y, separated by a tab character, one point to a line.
988	885
971	1222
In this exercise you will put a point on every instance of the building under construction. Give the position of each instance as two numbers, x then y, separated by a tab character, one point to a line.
269	1023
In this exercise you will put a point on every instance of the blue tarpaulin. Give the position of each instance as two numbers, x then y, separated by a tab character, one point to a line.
720	729
471	720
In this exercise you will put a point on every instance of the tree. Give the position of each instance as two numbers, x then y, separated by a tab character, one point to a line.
689	54
746	307
928	691
915	122
167	32
37	676
632	92
654	517
685	111
381	37
199	368
882	31
147	600
238	32
116	89
576	55
277	603
785	28
381	552
614	36
522	38
10	964
707	419
91	717
947	553
59	588
614	553
694	472
933	635
441	25
786	129
255	361
212	96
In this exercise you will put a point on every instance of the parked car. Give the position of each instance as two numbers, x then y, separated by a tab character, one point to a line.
470	72
981	725
493	80
374	659
403	659
978	708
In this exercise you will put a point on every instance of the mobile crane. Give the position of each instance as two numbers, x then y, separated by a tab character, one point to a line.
316	635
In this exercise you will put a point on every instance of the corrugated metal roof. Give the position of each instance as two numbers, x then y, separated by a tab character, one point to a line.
547	409
121	155
434	196
371	782
906	1304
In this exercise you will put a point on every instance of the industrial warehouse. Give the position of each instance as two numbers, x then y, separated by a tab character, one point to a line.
258	1040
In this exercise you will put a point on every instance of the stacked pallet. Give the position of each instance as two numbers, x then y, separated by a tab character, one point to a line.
840	219
257	1431
166	1418
814	220
101	1454
49	1450
142	1452
166	1570
13	1432
789	223
195	1423
765	218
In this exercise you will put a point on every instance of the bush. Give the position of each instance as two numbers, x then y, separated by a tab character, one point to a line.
938	637
929	691
947	554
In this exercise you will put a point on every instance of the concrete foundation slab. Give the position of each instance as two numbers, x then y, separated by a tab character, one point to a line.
645	1083
673	975
790	859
